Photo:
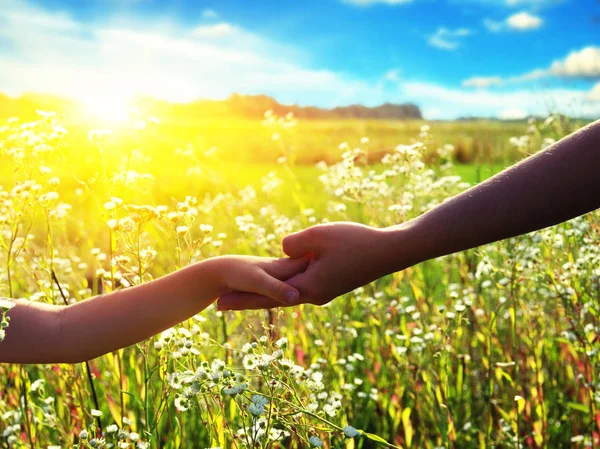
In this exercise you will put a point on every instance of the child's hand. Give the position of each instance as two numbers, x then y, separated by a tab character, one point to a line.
345	256
260	275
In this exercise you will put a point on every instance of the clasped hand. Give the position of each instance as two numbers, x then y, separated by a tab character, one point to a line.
343	256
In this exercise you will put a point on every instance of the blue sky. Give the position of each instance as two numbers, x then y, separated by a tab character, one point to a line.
502	58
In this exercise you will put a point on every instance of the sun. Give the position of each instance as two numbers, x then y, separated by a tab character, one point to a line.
107	108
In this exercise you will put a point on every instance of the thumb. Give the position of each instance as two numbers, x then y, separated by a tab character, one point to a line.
299	244
275	289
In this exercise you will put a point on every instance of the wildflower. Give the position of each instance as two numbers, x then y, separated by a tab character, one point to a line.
207	229
330	410
351	432
315	441
249	362
282	343
181	404
37	385
113	428
231	391
49	197
286	364
83	435
126	224
96	413
257	407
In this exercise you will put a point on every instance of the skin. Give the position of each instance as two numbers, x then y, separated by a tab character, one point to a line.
45	333
554	185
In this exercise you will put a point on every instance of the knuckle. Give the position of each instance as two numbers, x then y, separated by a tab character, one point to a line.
287	243
313	232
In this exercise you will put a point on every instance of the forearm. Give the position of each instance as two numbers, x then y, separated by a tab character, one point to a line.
554	185
104	324
50	334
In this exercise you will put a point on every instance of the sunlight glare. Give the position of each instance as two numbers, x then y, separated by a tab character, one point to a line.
109	108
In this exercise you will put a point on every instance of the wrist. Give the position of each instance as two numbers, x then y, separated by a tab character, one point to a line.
402	246
215	275
205	278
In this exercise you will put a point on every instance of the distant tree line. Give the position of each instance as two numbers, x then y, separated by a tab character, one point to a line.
239	106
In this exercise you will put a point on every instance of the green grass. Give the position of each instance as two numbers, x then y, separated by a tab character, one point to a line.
492	347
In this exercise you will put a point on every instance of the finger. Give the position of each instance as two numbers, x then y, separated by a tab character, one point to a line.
253	301
299	244
245	301
275	289
302	283
284	269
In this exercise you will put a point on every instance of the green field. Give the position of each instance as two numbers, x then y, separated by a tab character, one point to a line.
492	347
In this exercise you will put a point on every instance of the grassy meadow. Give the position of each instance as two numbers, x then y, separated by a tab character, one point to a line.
492	347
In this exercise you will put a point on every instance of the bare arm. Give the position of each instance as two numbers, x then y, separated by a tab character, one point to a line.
42	333
554	185
558	183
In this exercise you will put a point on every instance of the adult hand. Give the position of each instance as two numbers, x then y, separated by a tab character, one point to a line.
344	257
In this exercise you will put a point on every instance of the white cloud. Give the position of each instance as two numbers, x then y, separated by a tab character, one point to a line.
54	53
209	14
594	94
584	63
493	25
523	21
456	102
217	30
482	82
29	17
537	3
392	75
512	114
529	76
446	39
374	2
